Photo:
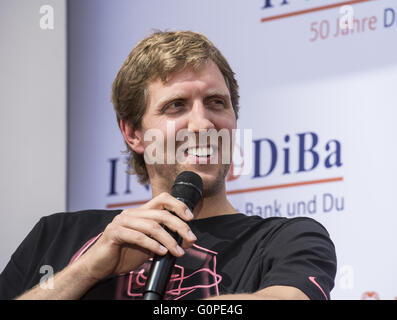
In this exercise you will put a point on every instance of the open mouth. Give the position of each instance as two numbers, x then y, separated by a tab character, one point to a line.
200	155
201	152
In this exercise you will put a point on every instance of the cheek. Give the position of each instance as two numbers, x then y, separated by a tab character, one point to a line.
162	133
177	130
154	136
227	122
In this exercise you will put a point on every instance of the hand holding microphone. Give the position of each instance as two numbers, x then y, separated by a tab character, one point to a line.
187	188
137	233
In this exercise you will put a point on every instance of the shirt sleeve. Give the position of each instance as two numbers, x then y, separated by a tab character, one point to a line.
13	278
300	254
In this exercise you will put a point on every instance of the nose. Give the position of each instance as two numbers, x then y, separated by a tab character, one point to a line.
199	118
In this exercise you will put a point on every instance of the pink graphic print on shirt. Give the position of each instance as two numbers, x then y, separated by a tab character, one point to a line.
201	278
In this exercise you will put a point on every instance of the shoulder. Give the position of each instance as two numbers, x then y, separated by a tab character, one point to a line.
71	228
276	226
264	232
80	218
285	239
302	225
300	254
53	241
295	233
59	236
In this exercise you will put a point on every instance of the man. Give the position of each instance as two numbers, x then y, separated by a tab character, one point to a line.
176	78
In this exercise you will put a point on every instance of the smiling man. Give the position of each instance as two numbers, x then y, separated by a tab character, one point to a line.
196	102
178	87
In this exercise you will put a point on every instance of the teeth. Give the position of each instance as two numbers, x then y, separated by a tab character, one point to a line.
201	151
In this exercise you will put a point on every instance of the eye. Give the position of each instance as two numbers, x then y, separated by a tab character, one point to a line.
174	106
216	103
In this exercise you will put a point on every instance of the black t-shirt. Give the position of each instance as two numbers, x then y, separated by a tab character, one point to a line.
234	253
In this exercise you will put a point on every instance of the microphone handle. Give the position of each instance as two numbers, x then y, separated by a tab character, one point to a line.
160	272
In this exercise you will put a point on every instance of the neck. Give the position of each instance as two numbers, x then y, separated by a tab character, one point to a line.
210	206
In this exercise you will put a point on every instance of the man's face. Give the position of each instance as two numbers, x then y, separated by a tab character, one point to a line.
195	103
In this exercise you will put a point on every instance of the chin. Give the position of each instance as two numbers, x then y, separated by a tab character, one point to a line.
213	176
213	179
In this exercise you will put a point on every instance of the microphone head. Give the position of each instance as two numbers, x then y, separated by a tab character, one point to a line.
188	187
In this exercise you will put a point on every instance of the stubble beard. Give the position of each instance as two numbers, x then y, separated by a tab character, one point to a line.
168	173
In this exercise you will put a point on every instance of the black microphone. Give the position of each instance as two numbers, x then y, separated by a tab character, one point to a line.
188	188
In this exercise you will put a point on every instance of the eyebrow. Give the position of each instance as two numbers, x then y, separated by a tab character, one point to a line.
217	93
164	100
181	96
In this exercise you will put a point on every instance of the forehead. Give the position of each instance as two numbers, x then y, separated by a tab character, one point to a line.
207	78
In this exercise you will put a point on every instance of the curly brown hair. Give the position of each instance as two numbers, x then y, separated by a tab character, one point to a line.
157	56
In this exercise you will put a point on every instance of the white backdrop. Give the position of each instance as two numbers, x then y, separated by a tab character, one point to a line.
32	117
305	89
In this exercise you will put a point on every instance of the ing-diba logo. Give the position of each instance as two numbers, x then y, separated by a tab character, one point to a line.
297	153
293	154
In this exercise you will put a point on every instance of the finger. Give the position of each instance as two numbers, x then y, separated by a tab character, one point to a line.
168	202
169	220
187	244
155	231
135	237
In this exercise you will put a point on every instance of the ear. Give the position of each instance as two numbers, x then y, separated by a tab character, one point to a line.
132	136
